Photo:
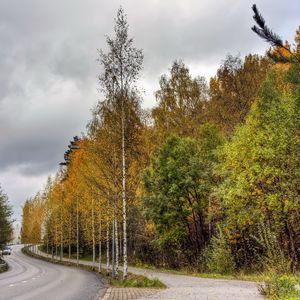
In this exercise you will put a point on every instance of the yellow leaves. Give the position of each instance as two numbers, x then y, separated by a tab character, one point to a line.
32	222
281	52
256	192
150	228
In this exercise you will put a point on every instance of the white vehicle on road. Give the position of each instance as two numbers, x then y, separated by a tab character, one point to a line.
6	251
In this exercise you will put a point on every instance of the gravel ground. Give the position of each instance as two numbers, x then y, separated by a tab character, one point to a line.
193	288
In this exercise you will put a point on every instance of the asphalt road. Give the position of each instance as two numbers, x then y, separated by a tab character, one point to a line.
29	278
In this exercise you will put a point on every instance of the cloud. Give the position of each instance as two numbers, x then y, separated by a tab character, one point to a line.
48	67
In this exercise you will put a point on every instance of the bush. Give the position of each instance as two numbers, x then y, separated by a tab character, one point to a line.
280	287
3	265
273	259
218	255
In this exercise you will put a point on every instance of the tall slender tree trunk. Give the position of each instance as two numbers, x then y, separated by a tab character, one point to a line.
93	234
100	246
70	233
120	241
61	239
61	247
113	249
77	232
107	249
55	241
124	204
117	246
61	224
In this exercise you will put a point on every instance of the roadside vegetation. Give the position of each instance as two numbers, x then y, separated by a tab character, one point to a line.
3	266
206	182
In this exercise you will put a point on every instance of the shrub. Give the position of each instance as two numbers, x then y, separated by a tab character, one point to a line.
273	259
218	255
280	287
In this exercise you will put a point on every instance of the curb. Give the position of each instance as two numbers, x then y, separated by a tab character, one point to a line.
107	294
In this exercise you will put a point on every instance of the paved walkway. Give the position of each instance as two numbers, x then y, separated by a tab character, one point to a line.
128	293
182	287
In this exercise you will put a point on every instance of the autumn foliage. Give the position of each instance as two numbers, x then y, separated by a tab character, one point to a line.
213	168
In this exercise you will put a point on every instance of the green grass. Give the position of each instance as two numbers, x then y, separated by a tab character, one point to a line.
134	280
138	281
244	276
256	277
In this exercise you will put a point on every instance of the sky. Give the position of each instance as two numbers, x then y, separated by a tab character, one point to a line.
49	68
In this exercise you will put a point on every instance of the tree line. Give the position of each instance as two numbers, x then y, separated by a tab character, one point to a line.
207	180
6	228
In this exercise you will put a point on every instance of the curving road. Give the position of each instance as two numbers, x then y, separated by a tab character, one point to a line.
29	278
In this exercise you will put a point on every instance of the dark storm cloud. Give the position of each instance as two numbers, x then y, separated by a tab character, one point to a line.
48	68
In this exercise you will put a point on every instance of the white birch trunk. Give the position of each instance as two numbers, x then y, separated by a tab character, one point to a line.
120	241
117	246
70	233
113	249
107	249
77	232
100	246
61	224
93	234
55	241
124	195
61	238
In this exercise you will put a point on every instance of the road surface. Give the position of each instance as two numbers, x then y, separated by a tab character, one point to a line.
32	279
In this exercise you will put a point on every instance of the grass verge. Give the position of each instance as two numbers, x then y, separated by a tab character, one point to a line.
133	280
3	266
137	281
255	277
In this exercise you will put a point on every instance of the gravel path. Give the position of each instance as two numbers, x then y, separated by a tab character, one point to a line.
194	288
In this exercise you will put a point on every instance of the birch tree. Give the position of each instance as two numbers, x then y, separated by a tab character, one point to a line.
121	67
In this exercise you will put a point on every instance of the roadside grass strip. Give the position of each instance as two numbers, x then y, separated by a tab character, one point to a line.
3	265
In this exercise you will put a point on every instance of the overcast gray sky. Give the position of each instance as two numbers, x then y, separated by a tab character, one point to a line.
48	68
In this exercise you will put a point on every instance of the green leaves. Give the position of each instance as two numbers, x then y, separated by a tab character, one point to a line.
259	165
177	186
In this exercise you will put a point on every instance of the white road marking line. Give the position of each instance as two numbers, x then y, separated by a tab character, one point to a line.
11	285
24	281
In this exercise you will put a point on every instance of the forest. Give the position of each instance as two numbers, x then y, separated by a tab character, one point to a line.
208	180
